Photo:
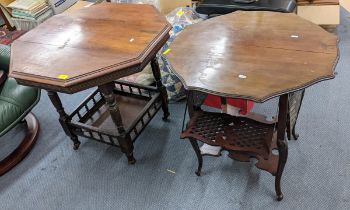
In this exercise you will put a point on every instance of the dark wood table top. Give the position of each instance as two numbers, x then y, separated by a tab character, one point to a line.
253	55
92	46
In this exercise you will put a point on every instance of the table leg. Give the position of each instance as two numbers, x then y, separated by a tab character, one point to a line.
197	150
124	140
161	88
190	103
195	99
281	143
64	118
191	108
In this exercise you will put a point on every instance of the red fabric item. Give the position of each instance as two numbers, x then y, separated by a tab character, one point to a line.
245	106
7	37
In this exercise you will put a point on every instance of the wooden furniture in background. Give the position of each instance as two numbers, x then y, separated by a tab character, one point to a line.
5	14
94	47
345	4
255	56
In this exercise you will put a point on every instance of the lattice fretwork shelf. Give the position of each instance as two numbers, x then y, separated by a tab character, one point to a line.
243	137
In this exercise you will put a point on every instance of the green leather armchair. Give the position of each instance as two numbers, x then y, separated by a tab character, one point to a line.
16	102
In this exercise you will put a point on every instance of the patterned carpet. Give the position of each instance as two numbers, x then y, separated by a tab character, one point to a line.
316	177
7	37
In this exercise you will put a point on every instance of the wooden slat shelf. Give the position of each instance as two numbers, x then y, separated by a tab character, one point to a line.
137	105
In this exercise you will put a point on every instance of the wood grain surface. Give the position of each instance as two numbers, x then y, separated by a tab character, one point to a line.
253	55
94	45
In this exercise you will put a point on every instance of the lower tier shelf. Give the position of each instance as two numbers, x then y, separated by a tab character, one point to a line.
137	105
243	137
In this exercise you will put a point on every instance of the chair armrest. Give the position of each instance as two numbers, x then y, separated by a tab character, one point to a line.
3	77
4	57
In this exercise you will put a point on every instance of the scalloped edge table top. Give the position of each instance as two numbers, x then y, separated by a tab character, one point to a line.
253	55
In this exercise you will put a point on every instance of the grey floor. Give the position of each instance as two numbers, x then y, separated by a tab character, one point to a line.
317	174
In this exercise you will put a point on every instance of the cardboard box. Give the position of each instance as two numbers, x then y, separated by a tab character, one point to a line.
321	15
166	6
345	4
317	2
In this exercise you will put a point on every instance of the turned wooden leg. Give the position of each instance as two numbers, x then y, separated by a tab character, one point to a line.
282	144
64	118
124	140
199	156
161	88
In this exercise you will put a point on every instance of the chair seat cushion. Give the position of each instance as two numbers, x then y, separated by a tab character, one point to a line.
211	7
16	101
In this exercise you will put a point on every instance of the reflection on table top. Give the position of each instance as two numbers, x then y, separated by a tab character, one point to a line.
91	43
253	55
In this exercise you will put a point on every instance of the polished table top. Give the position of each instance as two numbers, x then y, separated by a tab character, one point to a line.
98	44
253	55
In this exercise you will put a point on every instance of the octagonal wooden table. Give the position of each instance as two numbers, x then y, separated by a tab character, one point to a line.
94	47
255	56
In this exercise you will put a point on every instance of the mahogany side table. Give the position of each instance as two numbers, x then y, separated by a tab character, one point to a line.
94	47
255	56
